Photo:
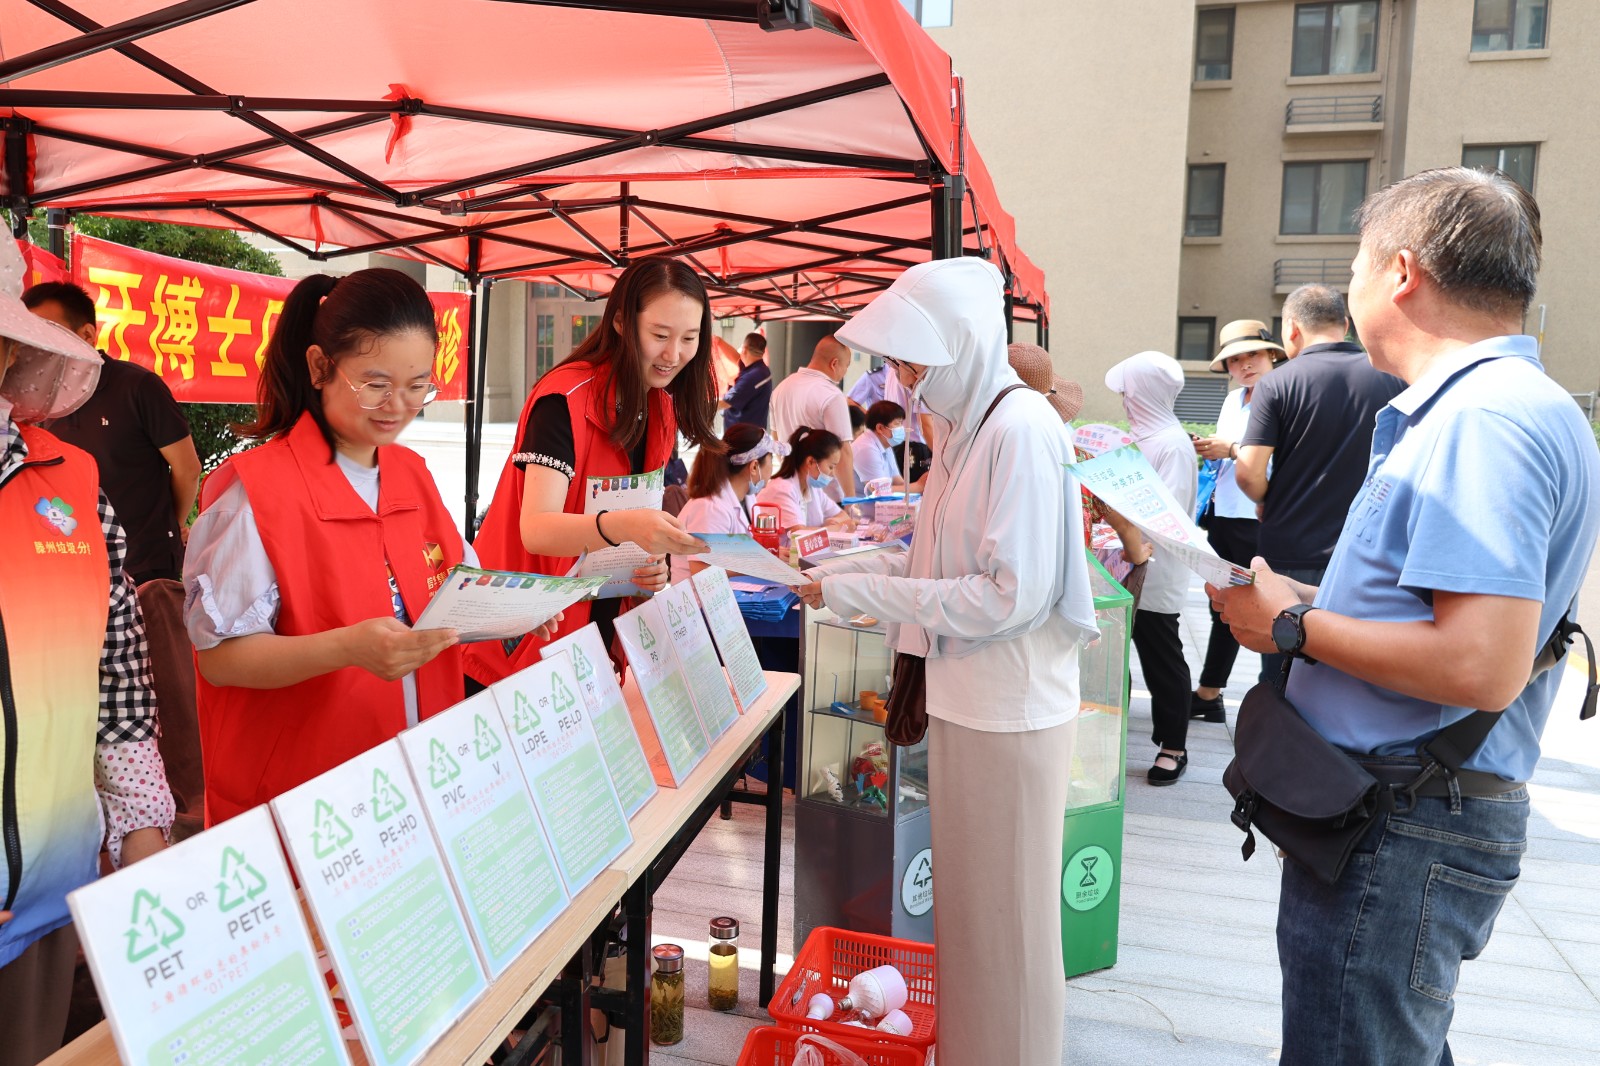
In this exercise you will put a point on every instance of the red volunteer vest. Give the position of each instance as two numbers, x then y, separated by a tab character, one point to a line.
332	557
591	404
54	596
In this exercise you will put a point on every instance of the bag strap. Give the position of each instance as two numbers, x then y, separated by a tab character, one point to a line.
1452	746
1000	396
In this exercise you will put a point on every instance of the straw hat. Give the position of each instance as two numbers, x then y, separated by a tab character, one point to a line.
1241	336
55	371
1033	365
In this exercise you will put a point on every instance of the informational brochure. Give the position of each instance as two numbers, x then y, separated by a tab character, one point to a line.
201	955
1097	438
733	638
500	604
691	640
482	815
739	553
617	565
1129	485
378	891
669	725
608	710
555	743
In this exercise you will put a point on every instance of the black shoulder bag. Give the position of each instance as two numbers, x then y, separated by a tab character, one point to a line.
1316	802
908	688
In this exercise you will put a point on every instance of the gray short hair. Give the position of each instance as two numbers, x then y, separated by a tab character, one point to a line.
1475	232
1316	309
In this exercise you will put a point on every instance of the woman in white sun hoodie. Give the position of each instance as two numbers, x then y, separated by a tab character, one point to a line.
995	593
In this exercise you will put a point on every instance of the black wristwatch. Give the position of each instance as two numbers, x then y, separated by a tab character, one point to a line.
1289	631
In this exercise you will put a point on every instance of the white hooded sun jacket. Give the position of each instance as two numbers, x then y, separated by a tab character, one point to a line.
995	590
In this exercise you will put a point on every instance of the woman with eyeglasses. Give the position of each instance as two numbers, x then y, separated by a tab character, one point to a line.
315	551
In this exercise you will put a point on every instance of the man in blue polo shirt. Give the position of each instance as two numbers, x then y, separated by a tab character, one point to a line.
1465	546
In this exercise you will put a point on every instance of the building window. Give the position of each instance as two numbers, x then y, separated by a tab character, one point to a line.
1509	25
582	326
1203	215
1197	338
544	344
932	13
1335	39
1515	161
1321	197
548	290
1213	44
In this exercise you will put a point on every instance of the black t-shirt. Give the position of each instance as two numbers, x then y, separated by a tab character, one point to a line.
1316	413
548	442
129	418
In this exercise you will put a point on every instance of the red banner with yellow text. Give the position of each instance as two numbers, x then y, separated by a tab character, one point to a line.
205	329
39	266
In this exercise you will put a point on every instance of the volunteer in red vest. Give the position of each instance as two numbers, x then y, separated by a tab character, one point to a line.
611	410
313	553
78	736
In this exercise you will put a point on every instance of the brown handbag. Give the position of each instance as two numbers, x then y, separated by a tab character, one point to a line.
908	688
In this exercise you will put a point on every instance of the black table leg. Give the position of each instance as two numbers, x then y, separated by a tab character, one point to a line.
771	866
636	909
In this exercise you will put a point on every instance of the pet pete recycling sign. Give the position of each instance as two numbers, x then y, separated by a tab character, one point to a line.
201	954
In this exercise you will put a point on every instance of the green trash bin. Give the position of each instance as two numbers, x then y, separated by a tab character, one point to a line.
1091	875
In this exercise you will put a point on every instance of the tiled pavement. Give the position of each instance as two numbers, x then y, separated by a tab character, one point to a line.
1196	981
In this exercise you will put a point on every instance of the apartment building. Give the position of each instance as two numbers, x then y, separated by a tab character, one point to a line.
1298	110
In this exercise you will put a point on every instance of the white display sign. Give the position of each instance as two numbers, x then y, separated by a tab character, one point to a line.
1129	485
608	710
555	743
691	640
377	888
732	636
201	955
483	817
673	725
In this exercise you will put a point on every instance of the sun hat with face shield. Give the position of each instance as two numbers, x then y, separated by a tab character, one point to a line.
55	371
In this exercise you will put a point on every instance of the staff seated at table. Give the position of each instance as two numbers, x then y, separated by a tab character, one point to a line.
721	486
797	489
874	447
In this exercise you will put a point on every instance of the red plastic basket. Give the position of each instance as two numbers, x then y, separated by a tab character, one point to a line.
831	957
769	1046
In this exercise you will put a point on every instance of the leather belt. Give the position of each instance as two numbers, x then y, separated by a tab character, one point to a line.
1399	774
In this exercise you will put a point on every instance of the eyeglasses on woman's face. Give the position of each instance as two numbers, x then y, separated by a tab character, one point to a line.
374	395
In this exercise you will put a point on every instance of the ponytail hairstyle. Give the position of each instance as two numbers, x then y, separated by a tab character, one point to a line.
342	316
807	443
615	346
713	470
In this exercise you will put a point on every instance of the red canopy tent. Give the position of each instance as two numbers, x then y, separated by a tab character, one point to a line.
799	172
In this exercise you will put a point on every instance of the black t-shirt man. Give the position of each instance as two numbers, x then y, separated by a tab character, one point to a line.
124	424
1316	413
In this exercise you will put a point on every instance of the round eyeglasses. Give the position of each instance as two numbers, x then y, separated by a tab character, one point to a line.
374	395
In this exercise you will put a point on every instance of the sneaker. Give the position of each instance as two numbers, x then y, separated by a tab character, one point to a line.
1207	710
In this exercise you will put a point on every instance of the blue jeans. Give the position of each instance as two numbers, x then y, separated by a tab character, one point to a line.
1370	964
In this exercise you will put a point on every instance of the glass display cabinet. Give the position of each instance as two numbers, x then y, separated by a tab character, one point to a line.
1091	883
863	859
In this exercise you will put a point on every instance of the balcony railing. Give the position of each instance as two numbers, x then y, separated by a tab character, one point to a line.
1334	111
1312	271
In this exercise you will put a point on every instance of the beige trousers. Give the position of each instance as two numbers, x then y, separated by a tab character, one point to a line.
998	803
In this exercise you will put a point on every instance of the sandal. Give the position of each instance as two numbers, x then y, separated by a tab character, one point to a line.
1159	775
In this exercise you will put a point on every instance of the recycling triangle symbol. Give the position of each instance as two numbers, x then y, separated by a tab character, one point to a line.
1089	879
329	832
647	639
581	663
153	926
442	769
561	694
524	719
484	741
673	617
240	881
387	800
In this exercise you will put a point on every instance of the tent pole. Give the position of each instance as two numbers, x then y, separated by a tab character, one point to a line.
949	190
470	500
475	443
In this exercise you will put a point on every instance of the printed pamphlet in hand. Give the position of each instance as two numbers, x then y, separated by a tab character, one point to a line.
617	564
500	604
740	554
1126	482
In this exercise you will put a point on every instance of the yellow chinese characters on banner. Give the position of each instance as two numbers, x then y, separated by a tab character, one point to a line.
205	329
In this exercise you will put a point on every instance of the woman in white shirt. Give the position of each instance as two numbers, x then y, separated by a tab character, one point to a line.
874	447
797	488
1149	384
1230	519
721	486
